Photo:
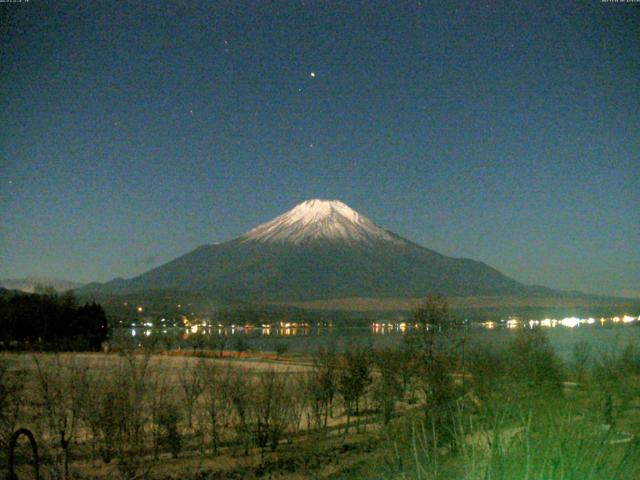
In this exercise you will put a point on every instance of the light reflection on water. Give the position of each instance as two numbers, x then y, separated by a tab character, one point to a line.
375	328
604	334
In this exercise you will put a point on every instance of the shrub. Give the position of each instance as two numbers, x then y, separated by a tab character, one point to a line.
580	359
440	395
533	363
487	366
281	349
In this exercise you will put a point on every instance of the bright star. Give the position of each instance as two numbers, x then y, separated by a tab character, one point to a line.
312	74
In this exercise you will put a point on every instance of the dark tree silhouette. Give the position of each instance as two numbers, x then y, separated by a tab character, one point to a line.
50	321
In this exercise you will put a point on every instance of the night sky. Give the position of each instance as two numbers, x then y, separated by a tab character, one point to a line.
504	132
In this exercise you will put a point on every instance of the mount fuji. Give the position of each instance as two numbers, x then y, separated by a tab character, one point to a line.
321	249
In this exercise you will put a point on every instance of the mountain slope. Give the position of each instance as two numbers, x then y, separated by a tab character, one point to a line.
318	250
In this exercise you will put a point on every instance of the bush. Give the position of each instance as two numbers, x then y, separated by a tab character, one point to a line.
581	359
488	367
556	444
281	349
440	395
533	362
629	360
240	345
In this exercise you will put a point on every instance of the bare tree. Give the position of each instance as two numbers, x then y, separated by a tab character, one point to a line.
157	391
321	385
168	420
281	348
297	408
440	393
101	396
433	315
270	412
238	391
435	360
131	382
62	390
191	385
214	399
11	387
220	342
353	379
387	388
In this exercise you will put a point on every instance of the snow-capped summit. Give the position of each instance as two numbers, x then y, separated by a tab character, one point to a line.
319	219
320	249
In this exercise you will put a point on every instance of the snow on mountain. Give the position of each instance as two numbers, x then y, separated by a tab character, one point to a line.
319	220
320	249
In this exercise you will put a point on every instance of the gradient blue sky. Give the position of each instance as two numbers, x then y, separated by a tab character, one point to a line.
508	132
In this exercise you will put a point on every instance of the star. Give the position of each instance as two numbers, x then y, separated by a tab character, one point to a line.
312	74
191	112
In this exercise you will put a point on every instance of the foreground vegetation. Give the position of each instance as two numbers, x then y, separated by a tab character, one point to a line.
436	407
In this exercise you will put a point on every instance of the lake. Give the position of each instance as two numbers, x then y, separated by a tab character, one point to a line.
604	334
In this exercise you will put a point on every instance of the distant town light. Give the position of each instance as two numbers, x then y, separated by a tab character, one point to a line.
513	323
570	322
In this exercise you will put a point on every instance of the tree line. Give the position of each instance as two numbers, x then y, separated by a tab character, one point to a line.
50	321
